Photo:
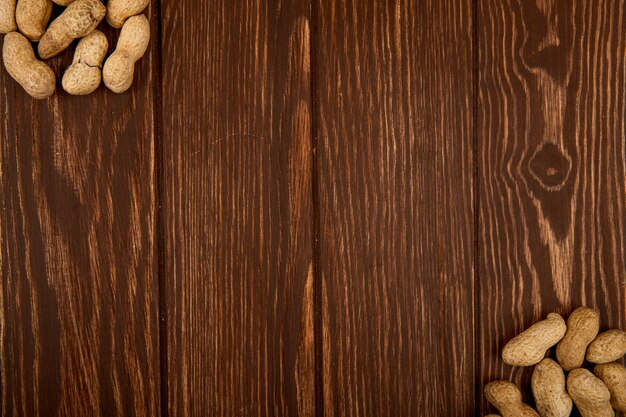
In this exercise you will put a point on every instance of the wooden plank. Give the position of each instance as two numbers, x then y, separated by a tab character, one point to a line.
237	207
552	160
394	189
78	317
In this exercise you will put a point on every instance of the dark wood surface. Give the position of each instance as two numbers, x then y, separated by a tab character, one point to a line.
237	208
395	210
313	208
552	168
79	324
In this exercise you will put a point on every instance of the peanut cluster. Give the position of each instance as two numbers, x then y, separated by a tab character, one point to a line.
578	344
26	21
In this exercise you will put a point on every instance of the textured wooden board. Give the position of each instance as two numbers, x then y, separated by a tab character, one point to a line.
321	169
552	168
395	206
78	316
237	208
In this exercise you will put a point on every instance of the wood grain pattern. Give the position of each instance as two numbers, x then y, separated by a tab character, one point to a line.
316	207
395	180
237	208
78	317
552	158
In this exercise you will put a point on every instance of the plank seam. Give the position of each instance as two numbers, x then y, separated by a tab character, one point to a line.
317	281
160	230
476	202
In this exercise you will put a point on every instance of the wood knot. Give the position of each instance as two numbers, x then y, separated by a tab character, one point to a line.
550	166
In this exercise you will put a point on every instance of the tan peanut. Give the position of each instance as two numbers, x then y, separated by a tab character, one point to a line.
589	393
120	10
607	347
119	69
548	385
507	398
19	59
529	347
78	20
7	16
85	74
582	327
63	2
32	17
614	377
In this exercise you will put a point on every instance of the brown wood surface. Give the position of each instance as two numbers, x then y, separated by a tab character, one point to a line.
237	208
395	218
78	318
313	208
552	158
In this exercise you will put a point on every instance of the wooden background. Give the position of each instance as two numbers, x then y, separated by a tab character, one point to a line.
313	208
